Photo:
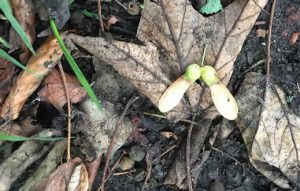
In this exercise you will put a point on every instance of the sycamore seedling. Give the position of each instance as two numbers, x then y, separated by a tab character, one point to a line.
222	98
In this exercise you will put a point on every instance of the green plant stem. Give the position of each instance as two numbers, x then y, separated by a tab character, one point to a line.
74	66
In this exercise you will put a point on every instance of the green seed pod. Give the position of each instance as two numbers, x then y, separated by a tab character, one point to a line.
174	93
209	75
192	72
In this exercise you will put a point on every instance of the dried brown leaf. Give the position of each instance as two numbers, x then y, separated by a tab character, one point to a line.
39	65
24	13
270	130
79	179
294	38
7	70
54	90
174	34
60	178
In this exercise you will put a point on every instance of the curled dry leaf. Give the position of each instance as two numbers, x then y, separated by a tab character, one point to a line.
24	13
174	35
39	65
270	130
54	90
7	70
111	21
294	38
60	178
79	179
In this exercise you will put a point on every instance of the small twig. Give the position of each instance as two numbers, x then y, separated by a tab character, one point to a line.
164	117
298	87
92	168
109	151
269	38
121	4
69	110
262	9
149	162
115	165
164	153
123	173
100	15
203	56
188	153
231	157
253	66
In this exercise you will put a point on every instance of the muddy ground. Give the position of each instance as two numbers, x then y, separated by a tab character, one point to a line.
228	165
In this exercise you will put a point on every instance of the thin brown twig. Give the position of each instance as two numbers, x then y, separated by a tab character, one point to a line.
61	70
115	166
188	153
269	38
262	9
164	117
231	157
164	153
109	151
149	169
100	15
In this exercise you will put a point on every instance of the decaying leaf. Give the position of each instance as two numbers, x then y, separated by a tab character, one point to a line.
39	65
79	179
7	70
174	35
54	90
26	129
30	151
270	130
60	178
24	13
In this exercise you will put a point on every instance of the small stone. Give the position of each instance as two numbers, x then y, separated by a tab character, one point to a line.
137	153
126	163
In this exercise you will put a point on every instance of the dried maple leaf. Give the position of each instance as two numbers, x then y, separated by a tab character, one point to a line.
174	35
39	65
54	90
270	130
24	13
7	70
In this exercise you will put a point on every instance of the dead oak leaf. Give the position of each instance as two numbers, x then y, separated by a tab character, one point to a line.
54	89
174	35
270	130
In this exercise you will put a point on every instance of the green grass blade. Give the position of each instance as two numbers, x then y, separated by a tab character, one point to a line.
7	57
7	137
4	42
6	9
74	66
